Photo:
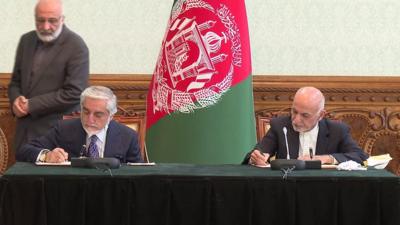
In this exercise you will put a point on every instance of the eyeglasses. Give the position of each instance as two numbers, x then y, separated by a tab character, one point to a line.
52	21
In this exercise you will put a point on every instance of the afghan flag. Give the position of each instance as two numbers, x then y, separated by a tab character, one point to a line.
200	100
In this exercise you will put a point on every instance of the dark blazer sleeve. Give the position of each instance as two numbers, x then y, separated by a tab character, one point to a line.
270	142
66	134
122	143
341	145
30	151
14	88
133	152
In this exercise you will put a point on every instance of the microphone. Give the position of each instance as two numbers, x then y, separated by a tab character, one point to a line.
293	164
83	152
97	163
287	145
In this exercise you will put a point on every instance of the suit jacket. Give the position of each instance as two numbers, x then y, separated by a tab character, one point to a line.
55	88
333	138
121	142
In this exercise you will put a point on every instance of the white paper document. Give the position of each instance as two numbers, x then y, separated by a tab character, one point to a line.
141	164
379	161
66	163
262	166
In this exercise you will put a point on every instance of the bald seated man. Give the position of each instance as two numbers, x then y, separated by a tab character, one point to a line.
308	133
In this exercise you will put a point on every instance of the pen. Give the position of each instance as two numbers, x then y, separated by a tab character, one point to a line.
83	152
311	153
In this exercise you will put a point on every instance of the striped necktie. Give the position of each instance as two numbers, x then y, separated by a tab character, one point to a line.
93	149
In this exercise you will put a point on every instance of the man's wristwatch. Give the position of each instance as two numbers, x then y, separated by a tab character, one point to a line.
42	157
333	160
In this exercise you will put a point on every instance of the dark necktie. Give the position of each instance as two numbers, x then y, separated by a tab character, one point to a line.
93	150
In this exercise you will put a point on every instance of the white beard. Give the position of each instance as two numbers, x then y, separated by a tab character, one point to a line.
50	37
93	132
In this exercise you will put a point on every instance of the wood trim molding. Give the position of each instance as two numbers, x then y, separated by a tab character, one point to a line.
370	104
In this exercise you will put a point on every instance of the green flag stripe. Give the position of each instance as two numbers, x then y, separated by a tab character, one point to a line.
222	133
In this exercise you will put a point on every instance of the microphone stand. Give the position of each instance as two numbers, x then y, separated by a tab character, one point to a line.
286	142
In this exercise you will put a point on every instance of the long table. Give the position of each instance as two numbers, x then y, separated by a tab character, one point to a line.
197	194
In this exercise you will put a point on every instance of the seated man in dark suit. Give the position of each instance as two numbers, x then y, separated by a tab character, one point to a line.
95	129
306	135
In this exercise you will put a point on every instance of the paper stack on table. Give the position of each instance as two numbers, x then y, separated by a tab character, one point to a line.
379	161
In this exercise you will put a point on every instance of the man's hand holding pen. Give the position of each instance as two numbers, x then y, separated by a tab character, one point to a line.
259	158
325	159
57	155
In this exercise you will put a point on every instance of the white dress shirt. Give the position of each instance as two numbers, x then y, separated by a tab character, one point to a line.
101	140
308	140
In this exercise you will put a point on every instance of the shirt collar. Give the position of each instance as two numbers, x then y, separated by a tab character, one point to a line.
101	135
312	132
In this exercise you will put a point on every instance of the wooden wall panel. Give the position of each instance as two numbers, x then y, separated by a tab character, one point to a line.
371	105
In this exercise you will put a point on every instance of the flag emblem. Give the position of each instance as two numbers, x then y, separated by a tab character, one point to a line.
198	57
200	100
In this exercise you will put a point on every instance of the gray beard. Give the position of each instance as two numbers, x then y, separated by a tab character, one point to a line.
90	133
51	37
